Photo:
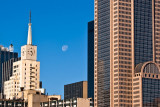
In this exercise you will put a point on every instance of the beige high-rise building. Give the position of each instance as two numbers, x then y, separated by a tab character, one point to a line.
26	72
126	33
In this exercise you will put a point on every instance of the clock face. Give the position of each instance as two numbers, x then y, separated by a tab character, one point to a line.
31	51
23	52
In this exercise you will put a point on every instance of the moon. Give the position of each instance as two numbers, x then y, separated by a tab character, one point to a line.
64	48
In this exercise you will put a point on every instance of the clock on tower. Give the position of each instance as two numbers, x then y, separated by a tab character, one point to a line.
29	51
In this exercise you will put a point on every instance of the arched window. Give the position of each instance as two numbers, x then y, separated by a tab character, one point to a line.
151	68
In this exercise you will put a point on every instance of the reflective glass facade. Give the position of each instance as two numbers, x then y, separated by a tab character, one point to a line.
150	92
103	96
5	56
75	90
91	59
143	48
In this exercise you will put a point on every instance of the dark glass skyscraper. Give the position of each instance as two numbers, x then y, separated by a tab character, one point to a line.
143	39
5	55
150	92
90	59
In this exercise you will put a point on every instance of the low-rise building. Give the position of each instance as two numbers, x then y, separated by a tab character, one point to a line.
13	103
146	85
76	90
34	98
29	98
78	102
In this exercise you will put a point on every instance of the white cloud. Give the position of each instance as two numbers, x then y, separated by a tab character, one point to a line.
64	48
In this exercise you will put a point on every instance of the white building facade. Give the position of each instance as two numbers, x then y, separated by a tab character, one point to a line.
26	72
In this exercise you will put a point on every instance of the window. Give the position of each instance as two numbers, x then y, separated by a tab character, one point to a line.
145	75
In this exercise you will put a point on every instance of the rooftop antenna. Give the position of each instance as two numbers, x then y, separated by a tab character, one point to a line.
30	17
29	41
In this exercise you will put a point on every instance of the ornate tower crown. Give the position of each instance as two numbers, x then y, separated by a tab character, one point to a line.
29	51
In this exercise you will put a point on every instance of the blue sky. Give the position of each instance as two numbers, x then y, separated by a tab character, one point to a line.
55	23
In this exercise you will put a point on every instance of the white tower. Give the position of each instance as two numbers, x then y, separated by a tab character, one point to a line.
26	72
29	51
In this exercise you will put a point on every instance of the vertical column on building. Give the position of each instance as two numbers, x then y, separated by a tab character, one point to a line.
122	53
95	50
137	91
111	54
156	24
114	31
132	37
125	53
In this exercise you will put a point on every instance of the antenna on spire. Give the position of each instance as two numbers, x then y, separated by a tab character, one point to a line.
30	17
29	41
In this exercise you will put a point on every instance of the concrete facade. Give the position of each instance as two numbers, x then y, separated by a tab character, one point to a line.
29	98
25	75
7	71
78	102
13	103
35	98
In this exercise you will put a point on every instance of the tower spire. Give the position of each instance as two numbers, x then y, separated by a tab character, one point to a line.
30	17
29	41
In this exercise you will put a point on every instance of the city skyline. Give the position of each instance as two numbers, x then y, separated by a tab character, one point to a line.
109	60
50	47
